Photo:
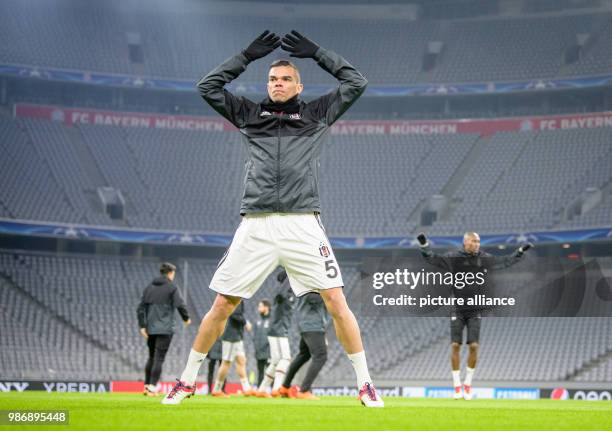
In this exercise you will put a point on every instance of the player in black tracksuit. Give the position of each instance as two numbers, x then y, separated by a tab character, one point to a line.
468	259
260	339
156	321
214	359
278	338
312	322
282	310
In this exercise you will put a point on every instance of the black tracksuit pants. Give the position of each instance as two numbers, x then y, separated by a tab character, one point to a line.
312	345
158	345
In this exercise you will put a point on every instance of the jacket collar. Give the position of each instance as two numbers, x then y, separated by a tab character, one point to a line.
291	106
161	281
468	254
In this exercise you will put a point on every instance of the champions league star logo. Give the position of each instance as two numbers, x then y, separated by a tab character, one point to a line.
186	239
521	238
324	250
70	232
540	84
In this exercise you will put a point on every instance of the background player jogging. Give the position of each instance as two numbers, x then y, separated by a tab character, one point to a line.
469	257
232	351
260	339
278	339
283	136
156	321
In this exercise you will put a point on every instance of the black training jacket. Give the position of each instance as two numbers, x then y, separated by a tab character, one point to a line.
234	328
156	309
461	261
282	311
281	171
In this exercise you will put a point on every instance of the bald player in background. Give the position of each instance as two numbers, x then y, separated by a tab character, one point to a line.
471	257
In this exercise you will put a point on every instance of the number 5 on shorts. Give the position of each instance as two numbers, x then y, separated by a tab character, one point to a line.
330	269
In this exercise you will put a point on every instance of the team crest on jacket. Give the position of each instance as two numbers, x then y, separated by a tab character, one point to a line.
295	116
324	250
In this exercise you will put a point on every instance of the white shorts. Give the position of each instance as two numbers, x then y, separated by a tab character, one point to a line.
279	349
263	242
232	349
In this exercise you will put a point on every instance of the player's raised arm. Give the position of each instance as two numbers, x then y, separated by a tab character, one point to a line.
431	257
211	87
141	312
507	261
352	83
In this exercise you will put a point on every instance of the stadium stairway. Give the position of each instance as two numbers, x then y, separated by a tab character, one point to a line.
597	35
456	181
590	365
86	157
467	187
600	213
469	163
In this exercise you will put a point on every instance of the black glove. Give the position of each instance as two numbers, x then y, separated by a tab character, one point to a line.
298	45
262	46
422	239
523	248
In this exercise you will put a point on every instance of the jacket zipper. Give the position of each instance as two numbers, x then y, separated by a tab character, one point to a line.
278	150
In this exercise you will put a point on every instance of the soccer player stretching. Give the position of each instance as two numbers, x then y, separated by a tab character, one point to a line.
283	137
472	258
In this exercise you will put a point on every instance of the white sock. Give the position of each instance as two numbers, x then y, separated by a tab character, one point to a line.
279	373
266	383
468	375
245	385
361	368
456	378
193	366
218	387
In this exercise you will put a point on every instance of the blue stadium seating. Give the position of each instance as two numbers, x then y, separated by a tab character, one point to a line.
74	317
370	185
93	36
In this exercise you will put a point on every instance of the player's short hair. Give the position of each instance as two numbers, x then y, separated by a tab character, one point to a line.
282	276
166	268
266	303
287	63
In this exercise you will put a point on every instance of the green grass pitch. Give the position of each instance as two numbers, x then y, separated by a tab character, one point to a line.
135	412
